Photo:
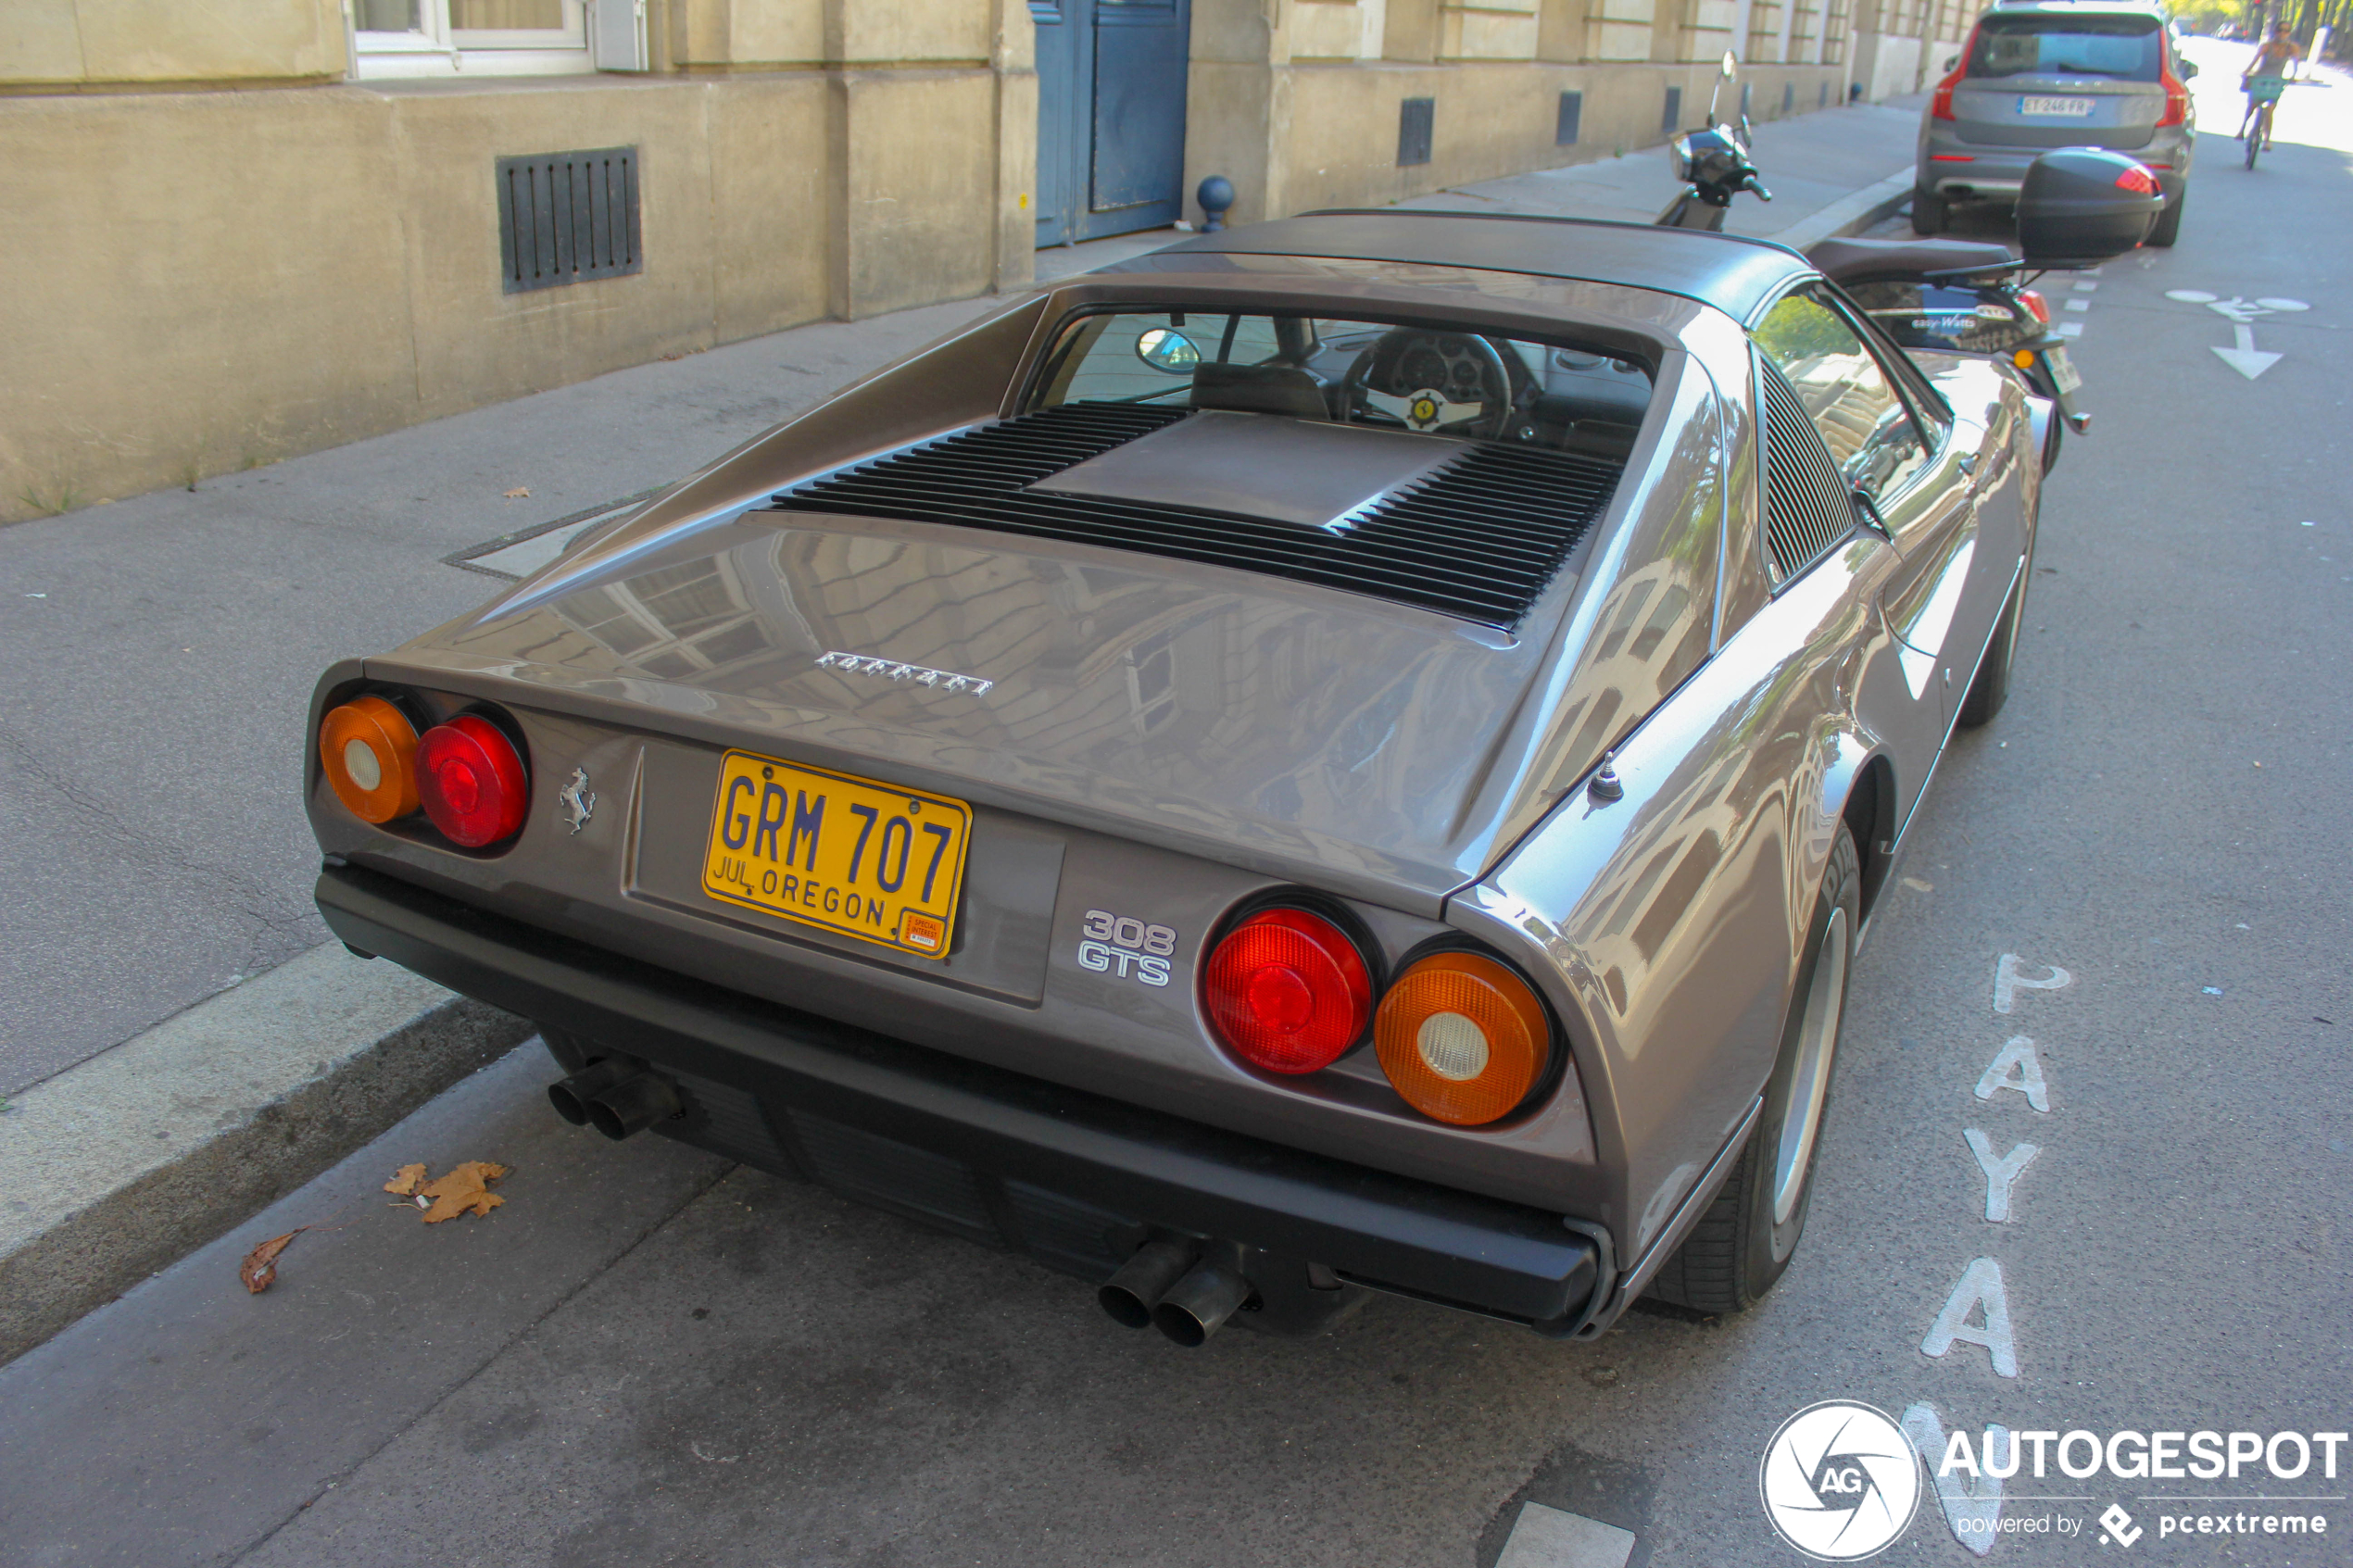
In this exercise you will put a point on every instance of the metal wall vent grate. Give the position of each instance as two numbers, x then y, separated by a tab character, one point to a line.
1672	121
1807	508
1572	118
565	217
1416	129
1479	538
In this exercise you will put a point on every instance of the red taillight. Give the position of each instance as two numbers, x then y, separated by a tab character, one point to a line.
2138	180
472	781
2177	95
1941	106
2032	299
1287	991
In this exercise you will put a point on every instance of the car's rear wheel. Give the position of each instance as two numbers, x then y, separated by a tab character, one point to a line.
1744	1243
2169	222
1928	214
1991	687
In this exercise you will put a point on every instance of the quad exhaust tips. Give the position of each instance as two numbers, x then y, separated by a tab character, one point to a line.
1165	1284
616	1096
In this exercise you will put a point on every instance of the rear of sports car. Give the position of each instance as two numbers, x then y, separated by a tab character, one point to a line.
1045	824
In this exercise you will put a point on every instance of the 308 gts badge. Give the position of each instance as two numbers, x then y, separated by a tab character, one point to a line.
1136	948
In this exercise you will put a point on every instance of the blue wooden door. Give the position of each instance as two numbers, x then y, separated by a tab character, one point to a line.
1111	116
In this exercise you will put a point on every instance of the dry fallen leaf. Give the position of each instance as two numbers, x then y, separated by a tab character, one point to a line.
520	492
259	1271
404	1181
463	1190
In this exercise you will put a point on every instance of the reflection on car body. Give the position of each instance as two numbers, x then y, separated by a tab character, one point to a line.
1413	713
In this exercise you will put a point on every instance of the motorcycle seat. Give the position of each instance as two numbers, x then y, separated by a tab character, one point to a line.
1854	261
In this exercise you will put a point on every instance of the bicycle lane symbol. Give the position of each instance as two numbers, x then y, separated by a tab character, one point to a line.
2242	355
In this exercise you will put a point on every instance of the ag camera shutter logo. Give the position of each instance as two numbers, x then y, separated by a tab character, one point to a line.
1839	1481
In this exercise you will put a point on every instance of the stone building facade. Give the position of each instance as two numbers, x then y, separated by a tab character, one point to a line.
243	229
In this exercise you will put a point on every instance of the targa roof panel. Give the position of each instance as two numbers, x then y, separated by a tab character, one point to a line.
1733	273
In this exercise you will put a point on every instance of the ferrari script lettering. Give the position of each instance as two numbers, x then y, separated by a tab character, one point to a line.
1137	950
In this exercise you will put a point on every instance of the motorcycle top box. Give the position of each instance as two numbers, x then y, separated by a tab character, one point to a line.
2081	206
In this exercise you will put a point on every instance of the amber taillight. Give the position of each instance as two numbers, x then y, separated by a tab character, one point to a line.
368	748
1461	1037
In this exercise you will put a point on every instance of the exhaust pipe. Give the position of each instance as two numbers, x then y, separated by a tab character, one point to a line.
570	1096
1199	1304
1130	1295
635	1104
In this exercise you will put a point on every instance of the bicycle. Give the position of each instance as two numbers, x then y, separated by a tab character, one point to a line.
2263	92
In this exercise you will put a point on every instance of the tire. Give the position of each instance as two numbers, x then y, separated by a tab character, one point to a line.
1742	1243
1929	214
1991	687
2254	142
2169	222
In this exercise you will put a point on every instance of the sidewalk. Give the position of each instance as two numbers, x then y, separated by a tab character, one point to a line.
151	834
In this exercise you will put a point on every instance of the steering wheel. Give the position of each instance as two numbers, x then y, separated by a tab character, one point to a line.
1453	383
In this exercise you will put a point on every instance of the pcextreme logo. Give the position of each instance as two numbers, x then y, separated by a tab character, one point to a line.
1840	1481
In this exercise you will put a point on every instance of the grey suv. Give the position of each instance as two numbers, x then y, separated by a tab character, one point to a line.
2056	73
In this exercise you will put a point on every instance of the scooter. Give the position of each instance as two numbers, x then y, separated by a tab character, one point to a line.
1715	165
1950	296
1958	297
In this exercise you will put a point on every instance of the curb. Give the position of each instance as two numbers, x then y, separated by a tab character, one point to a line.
117	1168
1851	214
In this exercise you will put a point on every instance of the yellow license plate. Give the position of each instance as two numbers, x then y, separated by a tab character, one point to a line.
837	851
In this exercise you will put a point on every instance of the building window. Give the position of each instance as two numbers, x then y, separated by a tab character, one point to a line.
1572	113
396	38
1671	121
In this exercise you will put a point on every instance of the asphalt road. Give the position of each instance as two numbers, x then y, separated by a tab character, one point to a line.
645	1357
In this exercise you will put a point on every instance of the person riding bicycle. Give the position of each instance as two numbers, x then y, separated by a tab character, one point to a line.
2276	57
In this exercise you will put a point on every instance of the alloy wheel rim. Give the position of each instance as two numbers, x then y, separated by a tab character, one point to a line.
1810	1082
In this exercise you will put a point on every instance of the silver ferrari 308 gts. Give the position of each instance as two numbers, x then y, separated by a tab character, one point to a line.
1349	755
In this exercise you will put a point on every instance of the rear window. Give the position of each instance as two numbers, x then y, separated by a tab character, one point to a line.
1427	380
2120	48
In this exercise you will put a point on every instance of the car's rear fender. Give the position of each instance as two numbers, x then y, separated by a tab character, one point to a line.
1668	922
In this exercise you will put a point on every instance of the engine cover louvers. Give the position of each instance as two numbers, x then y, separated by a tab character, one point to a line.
1477	539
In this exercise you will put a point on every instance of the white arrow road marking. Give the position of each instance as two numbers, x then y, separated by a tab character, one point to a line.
2248	359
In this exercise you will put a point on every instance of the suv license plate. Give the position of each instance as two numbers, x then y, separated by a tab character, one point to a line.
838	852
2072	108
2063	374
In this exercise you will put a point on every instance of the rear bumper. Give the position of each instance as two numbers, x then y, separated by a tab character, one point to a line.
997	1156
1997	172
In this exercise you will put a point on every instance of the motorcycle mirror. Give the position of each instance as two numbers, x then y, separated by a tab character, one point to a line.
1724	72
